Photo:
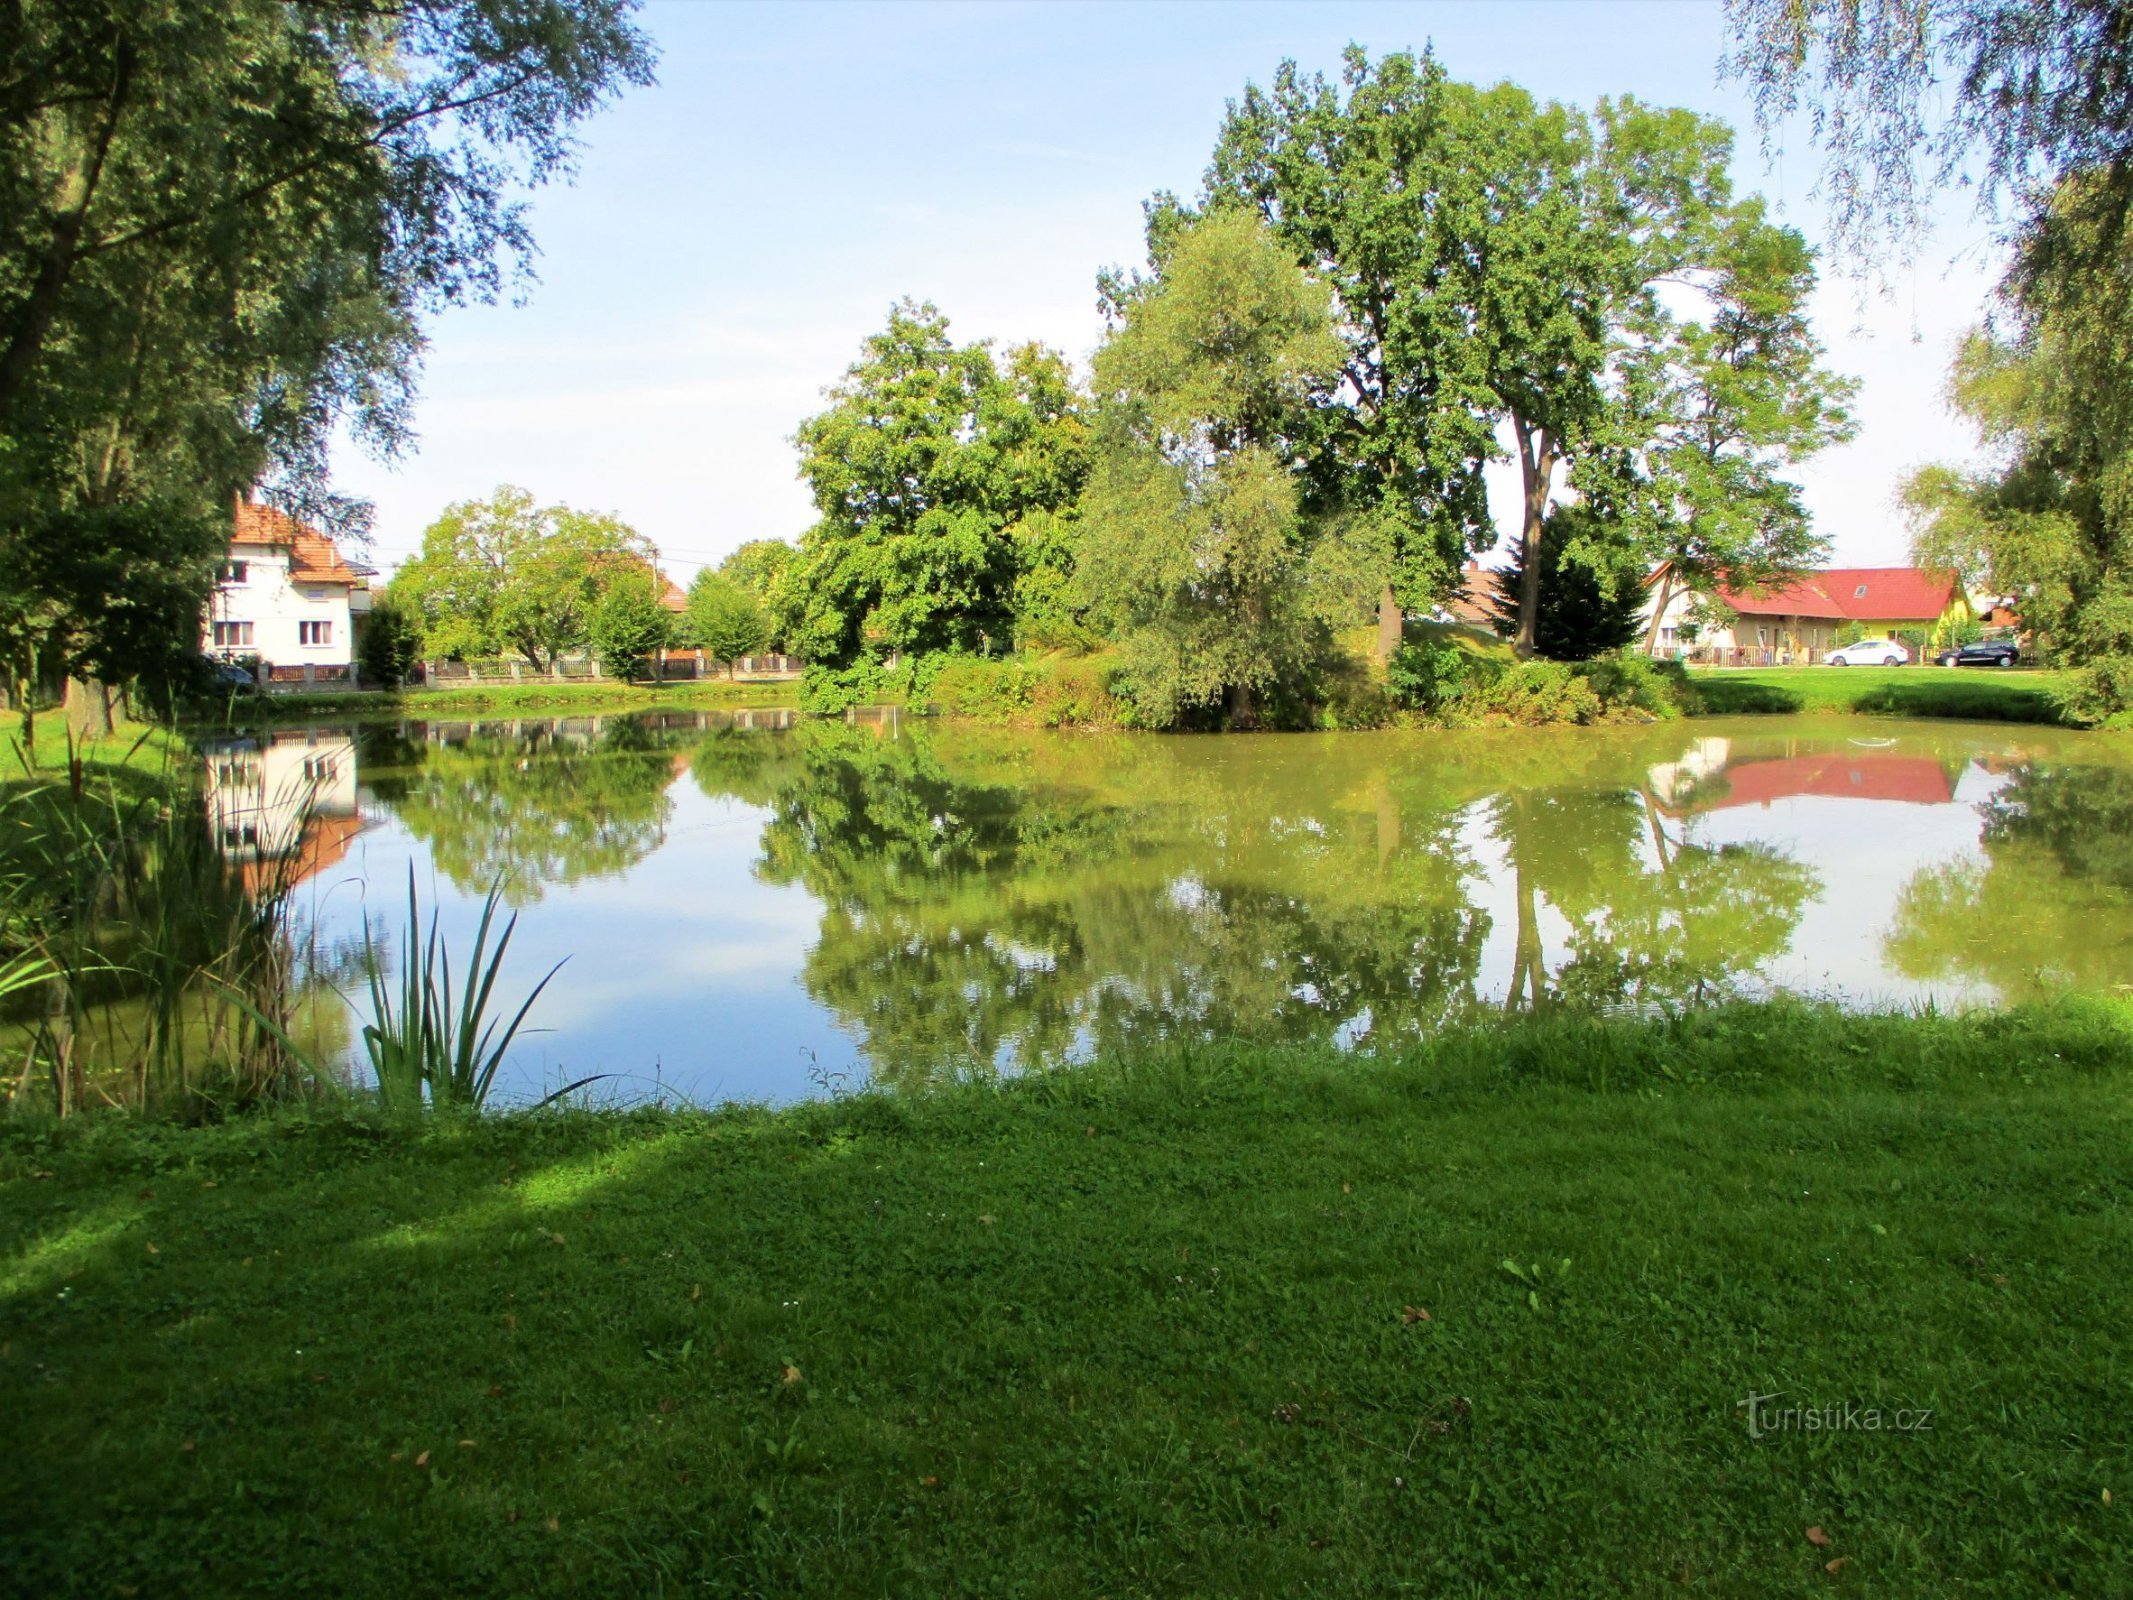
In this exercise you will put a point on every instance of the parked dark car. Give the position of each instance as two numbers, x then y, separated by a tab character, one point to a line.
1985	653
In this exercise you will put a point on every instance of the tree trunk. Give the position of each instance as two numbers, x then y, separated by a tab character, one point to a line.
1389	620
1239	699
1659	605
88	706
33	324
1536	468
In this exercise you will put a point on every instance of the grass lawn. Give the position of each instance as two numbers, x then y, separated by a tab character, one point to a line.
135	760
1975	693
1232	1323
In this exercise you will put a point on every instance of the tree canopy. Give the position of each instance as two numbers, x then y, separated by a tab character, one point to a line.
927	458
1196	538
1591	589
221	225
1498	263
723	618
504	575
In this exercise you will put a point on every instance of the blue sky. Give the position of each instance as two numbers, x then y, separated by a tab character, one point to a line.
735	231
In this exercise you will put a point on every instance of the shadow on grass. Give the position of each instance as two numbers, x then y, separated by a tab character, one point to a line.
1725	697
1997	701
1233	1322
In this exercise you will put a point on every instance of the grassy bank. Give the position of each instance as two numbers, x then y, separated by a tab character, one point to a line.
1975	694
1476	1319
569	699
133	757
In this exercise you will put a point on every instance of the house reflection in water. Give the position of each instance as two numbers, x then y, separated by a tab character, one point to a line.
288	794
1706	778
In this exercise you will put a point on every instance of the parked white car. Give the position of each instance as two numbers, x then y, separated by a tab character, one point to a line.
1870	653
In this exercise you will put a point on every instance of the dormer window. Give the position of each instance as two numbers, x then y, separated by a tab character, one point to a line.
1859	593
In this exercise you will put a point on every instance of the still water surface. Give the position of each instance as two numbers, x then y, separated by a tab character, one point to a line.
752	908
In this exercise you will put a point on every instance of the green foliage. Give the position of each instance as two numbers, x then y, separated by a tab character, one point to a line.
110	591
1196	544
1591	588
725	619
757	567
219	227
1630	684
390	651
1532	694
425	1051
1448	684
1429	675
1850	632
1499	260
1053	691
925	463
503	574
628	625
827	691
2007	97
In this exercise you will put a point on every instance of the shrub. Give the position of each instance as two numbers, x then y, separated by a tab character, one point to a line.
831	691
391	651
1059	691
1429	674
1532	694
1630	683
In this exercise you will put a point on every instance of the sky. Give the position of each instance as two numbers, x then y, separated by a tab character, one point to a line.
735	232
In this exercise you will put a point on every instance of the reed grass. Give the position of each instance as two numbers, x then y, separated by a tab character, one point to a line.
424	1048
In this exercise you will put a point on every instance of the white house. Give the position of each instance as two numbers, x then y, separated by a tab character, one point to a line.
289	797
286	599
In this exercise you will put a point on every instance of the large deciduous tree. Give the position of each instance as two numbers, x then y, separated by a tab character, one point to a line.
1501	268
503	574
723	618
220	225
1197	544
927	459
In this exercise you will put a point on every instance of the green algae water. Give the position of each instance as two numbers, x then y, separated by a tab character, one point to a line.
756	906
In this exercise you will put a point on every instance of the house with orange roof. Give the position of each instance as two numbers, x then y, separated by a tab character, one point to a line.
1798	620
287	599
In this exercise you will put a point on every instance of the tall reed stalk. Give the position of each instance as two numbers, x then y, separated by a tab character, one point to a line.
162	977
420	1043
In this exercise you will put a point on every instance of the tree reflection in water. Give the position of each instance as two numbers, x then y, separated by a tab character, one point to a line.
994	902
533	803
2051	905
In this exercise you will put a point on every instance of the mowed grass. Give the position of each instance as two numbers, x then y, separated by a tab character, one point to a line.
1219	1323
1975	693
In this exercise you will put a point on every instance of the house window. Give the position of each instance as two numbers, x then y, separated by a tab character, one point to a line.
1859	593
233	572
318	769
232	635
314	633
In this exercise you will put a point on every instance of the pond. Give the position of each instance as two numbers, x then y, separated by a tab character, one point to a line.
760	907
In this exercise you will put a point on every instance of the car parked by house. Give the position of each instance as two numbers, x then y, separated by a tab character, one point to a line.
1982	653
1870	653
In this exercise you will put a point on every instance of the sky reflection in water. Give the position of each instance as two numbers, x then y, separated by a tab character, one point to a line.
765	912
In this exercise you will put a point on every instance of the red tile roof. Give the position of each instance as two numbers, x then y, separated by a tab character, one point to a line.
313	558
1911	780
1852	594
